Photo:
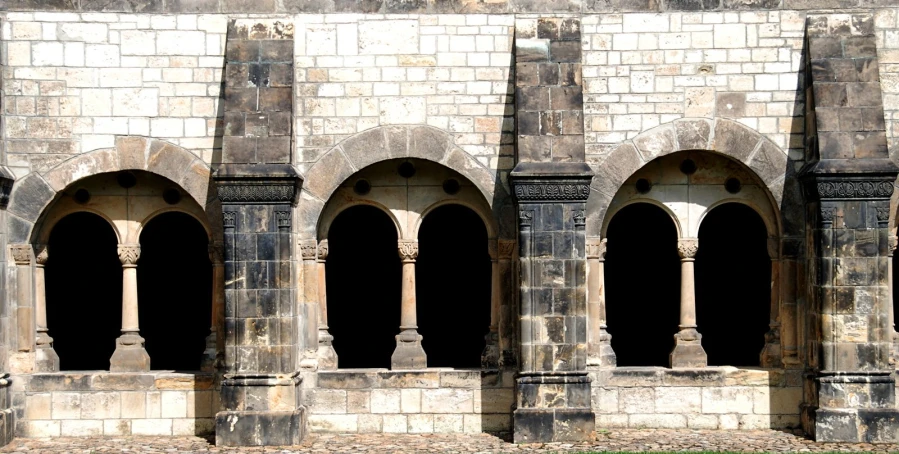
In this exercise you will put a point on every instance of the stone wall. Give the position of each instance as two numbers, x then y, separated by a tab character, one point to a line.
715	398
437	401
94	404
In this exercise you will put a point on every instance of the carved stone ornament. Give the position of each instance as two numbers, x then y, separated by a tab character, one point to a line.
883	214
323	249
552	191
596	248
282	218
408	249
258	193
41	254
229	218
579	218
855	189
506	249
687	247
129	254
827	214
525	217
308	249
21	253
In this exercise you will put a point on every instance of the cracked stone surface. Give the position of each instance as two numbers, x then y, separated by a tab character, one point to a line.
615	440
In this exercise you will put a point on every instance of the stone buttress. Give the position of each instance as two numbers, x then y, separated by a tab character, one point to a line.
850	392
258	188
551	184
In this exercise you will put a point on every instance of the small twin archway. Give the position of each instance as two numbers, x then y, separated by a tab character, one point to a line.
409	251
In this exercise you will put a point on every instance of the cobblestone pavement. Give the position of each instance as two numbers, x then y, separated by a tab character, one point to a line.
615	440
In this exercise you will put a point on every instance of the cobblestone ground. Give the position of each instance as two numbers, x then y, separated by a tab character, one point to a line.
617	440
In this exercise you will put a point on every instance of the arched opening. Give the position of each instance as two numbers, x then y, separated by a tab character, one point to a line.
83	277
733	285
174	284
642	276
453	286
363	278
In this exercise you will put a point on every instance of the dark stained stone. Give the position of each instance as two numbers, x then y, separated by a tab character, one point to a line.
241	50
248	6
534	148
29	196
565	51
737	140
192	6
567	98
568	148
527	74
126	6
309	6
239	150
693	5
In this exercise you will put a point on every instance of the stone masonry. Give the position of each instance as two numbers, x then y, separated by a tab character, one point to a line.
263	121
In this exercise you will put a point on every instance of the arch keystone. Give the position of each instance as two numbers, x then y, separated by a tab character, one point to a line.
693	134
132	152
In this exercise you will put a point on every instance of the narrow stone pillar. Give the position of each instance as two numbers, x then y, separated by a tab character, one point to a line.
508	332
309	308
688	351
409	353
21	255
490	355
45	359
327	357
130	354
771	355
789	297
894	349
214	354
599	341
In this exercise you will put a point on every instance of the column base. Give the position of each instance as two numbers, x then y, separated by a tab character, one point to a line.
327	357
490	355
260	428
862	425
688	351
771	356
210	361
46	359
129	355
409	353
602	355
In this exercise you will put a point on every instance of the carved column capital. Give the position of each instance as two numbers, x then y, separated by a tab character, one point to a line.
596	248
506	249
40	254
308	249
21	254
687	248
129	254
323	250
408	250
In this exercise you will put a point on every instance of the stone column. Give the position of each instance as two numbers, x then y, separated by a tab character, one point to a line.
309	308
409	353
46	359
490	355
130	354
214	355
258	188
599	341
849	180
327	357
894	349
21	254
688	351
771	355
508	334
789	294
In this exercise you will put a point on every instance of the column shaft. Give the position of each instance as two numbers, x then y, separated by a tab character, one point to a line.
599	341
46	359
688	351
327	357
409	353
129	355
24	310
490	355
213	355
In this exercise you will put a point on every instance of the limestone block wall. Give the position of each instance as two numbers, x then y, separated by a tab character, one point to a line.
448	71
94	404
886	24
714	398
435	401
73	82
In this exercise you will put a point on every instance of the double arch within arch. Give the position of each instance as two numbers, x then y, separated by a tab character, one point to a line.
398	142
33	194
718	135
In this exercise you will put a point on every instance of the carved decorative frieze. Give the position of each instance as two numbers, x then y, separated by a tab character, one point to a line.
408	249
41	254
855	189
552	191
129	254
259	193
596	248
506	249
687	247
308	249
21	253
323	249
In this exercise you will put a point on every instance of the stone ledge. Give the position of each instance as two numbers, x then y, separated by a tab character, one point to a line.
107	381
430	378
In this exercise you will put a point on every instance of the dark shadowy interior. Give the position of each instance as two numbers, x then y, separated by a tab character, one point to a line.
174	287
733	285
84	291
453	286
363	286
642	276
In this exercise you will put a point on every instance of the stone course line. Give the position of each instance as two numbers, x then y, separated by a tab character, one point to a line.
629	440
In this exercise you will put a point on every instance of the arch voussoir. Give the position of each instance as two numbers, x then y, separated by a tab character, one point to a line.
693	133
656	142
82	166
